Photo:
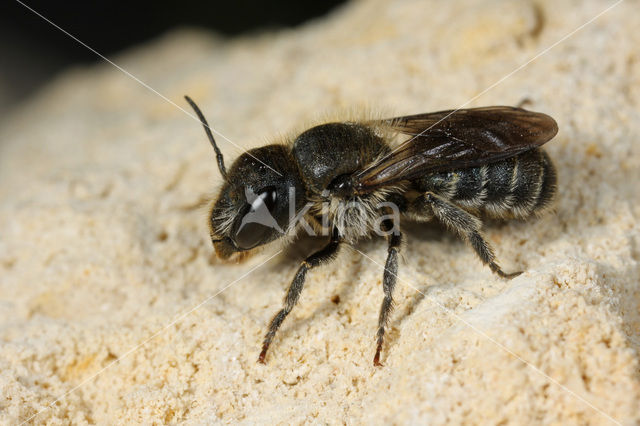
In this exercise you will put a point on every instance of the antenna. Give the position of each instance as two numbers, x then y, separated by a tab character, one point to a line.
207	129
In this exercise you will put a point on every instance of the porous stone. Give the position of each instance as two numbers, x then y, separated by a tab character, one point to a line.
113	309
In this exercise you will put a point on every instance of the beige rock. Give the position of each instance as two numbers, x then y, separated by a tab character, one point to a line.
113	310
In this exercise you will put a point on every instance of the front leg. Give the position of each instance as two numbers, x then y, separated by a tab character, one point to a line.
326	254
388	283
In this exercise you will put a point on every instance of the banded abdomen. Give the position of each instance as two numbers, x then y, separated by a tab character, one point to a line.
515	187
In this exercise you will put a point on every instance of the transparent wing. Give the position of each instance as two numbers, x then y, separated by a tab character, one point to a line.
447	140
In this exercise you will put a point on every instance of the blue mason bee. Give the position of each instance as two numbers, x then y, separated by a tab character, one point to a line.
454	166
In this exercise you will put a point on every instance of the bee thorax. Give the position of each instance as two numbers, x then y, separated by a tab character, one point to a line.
354	217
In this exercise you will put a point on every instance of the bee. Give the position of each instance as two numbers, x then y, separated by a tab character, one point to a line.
349	180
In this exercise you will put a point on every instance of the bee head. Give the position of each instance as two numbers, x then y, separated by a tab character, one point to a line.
259	199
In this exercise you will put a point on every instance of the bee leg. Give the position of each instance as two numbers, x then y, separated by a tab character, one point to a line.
324	255
388	283
466	225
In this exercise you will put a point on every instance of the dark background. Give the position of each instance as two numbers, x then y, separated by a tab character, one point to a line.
32	50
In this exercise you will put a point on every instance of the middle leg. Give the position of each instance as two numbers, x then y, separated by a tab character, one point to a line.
388	284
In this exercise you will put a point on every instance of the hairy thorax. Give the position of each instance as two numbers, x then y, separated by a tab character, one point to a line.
357	216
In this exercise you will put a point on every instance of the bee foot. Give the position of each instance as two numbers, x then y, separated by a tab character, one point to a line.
376	358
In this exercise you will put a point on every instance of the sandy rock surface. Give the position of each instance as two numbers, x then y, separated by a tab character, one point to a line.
113	309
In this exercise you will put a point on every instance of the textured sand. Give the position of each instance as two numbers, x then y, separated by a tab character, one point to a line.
103	237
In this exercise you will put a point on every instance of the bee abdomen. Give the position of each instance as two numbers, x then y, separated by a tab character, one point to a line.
515	187
471	187
532	184
548	189
467	188
520	186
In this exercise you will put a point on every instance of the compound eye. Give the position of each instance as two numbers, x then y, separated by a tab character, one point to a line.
258	222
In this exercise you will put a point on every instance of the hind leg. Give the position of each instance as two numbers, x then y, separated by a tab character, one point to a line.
464	223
